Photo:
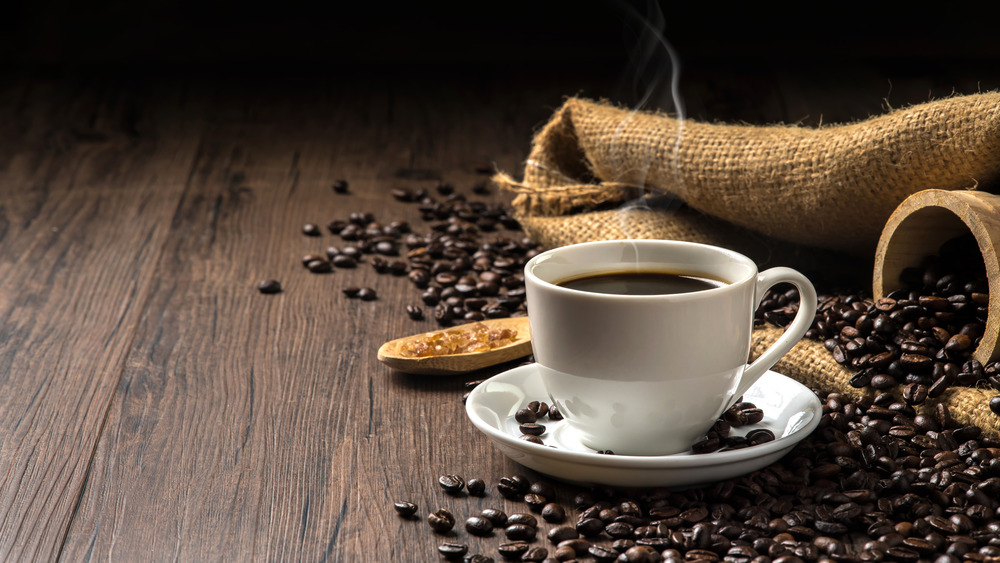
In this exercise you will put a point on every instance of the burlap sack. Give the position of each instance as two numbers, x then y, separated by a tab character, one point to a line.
832	187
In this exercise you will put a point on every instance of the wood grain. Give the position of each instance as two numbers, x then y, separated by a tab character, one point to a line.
82	230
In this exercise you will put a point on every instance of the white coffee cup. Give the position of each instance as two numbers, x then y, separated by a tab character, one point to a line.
650	374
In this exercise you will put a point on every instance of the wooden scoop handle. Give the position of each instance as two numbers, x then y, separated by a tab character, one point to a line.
919	226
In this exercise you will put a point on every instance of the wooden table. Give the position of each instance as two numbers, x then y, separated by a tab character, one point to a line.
154	405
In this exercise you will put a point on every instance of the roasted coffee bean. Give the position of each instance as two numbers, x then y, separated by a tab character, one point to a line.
476	487
523	518
351	291
535	501
602	553
706	445
320	267
531	438
513	550
560	534
536	554
344	261
759	436
540	408
532	428
451	483
543	488
367	294
311	230
340	186
269	286
590	527
520	532
441	521
479	526
995	405
453	551
414	312
405	509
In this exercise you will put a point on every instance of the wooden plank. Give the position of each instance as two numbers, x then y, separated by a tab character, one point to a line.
82	224
255	426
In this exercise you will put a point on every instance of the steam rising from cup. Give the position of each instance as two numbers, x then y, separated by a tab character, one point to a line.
651	46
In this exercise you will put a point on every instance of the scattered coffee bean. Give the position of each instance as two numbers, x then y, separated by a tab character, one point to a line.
536	554
311	230
340	186
479	526
320	267
441	521
519	532
367	294
453	551
269	286
476	487
452	484
415	312
513	550
405	509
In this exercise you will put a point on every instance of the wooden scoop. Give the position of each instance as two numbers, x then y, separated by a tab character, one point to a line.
391	355
923	222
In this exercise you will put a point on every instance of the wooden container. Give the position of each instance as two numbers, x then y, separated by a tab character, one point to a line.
918	228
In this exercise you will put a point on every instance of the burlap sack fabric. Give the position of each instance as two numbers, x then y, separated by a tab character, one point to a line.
780	194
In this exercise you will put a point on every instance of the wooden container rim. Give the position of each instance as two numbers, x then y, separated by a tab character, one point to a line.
924	221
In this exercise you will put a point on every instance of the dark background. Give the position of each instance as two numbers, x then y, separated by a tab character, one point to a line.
64	32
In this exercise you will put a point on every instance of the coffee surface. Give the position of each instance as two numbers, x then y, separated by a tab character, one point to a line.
640	283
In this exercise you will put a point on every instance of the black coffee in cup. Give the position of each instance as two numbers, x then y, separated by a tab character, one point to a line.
640	283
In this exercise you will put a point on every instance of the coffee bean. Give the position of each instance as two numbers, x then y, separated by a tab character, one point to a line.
589	527
520	532
311	230
269	286
340	186
320	267
414	312
367	294
513	550
995	405
560	534
601	553
351	291
476	487
706	445
441	521
452	484
453	551
532	428
405	509
479	526
536	554
344	261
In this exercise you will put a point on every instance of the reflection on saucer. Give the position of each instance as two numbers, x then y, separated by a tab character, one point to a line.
791	411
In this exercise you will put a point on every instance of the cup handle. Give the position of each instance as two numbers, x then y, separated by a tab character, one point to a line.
793	333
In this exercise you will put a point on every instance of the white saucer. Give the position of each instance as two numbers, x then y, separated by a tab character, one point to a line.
791	411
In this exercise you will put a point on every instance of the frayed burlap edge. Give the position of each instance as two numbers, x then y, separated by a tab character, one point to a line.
812	365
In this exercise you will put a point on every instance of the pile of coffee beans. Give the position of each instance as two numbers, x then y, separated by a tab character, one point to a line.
463	274
921	337
875	482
